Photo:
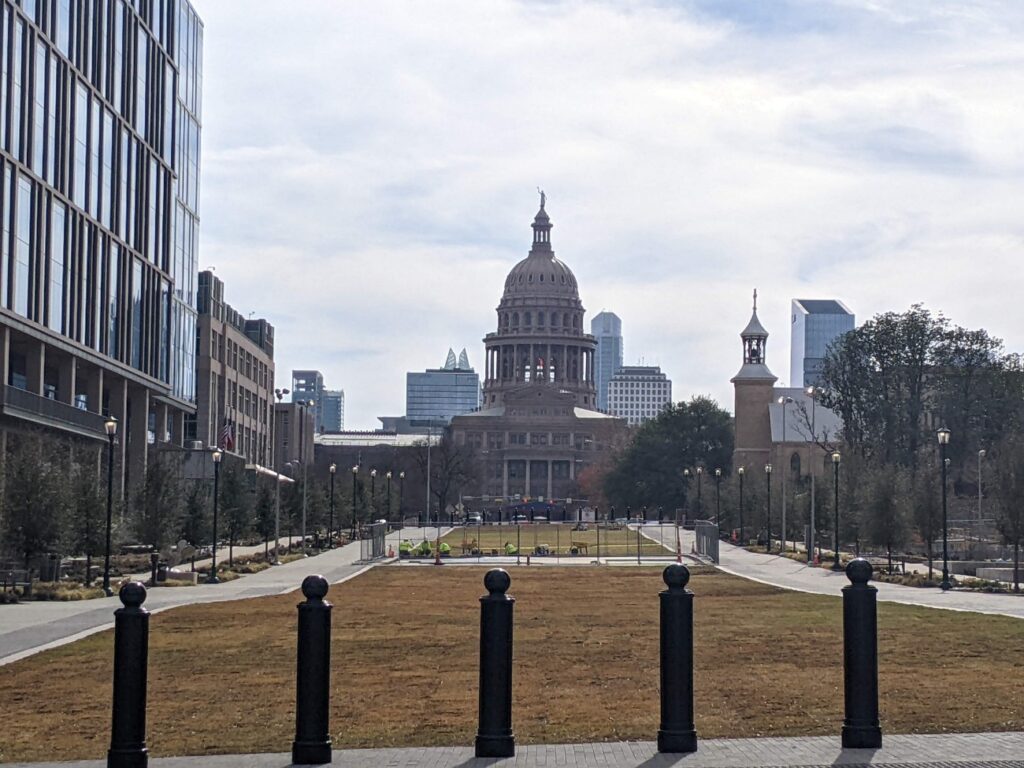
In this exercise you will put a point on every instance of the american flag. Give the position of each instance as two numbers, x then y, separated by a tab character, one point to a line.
226	440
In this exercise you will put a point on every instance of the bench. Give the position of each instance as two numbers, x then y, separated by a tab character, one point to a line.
12	579
578	547
881	564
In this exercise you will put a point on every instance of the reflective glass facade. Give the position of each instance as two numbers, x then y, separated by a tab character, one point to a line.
99	190
606	328
816	323
438	395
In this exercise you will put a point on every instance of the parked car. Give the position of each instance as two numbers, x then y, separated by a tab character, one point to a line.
474	518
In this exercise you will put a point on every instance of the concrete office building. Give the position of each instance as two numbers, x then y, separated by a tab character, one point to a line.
332	411
235	370
816	323
434	396
309	386
606	328
539	424
637	393
293	440
99	199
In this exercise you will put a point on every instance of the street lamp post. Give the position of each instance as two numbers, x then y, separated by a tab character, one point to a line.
768	517
373	494
303	405
330	525
943	435
783	401
686	485
355	473
110	425
981	455
277	516
718	497
740	472
835	557
401	495
813	393
212	577
700	474
388	476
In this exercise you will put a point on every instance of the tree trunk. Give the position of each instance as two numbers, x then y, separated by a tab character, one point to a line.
88	569
931	558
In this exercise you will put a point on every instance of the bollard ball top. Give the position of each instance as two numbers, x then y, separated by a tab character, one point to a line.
497	581
132	594
676	576
314	587
859	571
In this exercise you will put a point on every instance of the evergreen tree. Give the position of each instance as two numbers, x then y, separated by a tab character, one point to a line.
235	506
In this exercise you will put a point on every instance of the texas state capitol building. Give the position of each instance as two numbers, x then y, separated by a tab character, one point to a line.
538	425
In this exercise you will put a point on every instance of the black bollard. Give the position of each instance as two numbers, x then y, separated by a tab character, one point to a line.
131	652
677	732
860	659
312	745
494	737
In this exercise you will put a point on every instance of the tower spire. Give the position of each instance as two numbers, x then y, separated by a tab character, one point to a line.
755	291
541	227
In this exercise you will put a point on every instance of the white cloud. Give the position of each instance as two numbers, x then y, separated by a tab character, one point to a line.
369	171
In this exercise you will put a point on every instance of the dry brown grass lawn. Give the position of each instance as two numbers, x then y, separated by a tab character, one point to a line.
404	670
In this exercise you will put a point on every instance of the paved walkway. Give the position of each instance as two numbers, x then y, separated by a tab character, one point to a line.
30	627
982	750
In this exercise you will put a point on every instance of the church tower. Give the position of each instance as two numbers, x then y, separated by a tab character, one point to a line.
754	387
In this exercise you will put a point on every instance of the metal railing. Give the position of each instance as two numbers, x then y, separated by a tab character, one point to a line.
24	404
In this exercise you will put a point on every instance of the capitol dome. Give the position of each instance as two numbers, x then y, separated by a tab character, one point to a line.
540	273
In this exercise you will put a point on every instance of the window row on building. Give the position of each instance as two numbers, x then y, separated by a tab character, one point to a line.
499	440
62	271
69	137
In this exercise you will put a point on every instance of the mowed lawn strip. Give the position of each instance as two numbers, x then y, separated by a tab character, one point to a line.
404	667
621	542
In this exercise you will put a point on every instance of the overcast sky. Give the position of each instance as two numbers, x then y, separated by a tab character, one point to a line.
370	171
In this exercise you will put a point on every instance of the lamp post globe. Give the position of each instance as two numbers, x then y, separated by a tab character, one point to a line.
373	495
768	516
943	436
110	427
836	458
387	475
212	577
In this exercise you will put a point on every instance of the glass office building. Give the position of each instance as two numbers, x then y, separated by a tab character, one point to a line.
434	396
99	198
606	327
816	323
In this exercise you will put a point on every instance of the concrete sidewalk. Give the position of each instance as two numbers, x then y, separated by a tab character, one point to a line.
979	750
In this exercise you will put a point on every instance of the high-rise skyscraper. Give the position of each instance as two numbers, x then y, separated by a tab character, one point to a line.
99	198
816	323
606	327
309	386
332	411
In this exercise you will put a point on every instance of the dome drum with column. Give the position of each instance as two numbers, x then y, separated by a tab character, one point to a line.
540	337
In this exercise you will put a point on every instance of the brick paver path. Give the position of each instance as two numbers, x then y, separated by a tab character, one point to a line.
973	750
